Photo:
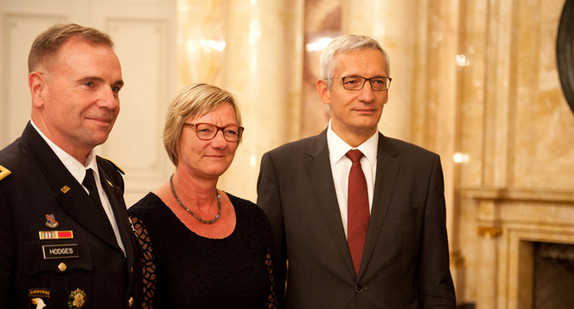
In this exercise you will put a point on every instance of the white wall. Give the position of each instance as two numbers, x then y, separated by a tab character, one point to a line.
144	36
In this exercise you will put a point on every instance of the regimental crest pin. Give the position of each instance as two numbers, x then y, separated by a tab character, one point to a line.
51	221
77	299
39	298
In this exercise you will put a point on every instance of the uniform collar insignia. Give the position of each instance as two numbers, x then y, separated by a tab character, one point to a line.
4	172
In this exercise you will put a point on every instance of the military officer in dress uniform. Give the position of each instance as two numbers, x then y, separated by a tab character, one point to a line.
65	237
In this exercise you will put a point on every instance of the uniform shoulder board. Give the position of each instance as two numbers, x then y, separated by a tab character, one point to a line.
115	166
4	172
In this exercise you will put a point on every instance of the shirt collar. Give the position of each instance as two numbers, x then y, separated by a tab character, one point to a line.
338	148
77	169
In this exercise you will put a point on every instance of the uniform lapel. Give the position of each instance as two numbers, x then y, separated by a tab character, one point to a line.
319	168
115	196
387	170
68	191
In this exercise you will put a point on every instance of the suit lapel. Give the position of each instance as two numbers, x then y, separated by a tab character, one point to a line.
318	166
387	170
68	191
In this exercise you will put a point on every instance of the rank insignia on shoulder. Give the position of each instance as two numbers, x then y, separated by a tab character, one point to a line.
51	221
77	299
39	298
4	172
115	166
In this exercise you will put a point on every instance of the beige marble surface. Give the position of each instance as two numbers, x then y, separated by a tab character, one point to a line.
252	49
473	80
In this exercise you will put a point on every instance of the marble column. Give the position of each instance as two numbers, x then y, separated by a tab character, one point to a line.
489	232
389	22
487	285
262	68
422	44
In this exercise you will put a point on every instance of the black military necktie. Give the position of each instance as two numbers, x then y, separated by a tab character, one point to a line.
90	183
105	227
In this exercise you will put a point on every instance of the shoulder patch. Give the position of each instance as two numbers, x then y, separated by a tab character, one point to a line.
4	172
115	166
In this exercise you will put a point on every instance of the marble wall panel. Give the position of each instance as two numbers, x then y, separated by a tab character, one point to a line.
514	131
322	23
471	62
254	50
200	42
543	123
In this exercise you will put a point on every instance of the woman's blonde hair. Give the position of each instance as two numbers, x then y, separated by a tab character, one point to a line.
194	101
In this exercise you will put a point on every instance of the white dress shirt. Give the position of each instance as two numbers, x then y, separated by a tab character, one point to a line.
341	165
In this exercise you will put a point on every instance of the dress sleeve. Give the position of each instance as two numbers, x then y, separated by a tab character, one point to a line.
272	301
148	265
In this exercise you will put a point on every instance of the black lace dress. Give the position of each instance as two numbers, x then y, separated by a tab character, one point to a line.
185	270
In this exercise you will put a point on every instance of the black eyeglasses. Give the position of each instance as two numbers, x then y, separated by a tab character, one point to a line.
356	83
208	131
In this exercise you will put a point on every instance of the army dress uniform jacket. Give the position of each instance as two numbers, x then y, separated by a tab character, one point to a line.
55	250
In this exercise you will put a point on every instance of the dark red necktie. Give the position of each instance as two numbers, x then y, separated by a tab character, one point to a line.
358	209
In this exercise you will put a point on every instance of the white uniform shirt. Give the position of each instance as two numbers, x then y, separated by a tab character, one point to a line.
78	170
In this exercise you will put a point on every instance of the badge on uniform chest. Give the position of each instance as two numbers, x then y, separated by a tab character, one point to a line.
51	221
46	235
77	299
39	298
62	251
57	251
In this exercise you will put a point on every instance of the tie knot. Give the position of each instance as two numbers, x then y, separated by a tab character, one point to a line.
355	155
89	180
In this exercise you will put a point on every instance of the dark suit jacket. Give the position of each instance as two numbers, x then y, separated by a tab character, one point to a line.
47	265
406	260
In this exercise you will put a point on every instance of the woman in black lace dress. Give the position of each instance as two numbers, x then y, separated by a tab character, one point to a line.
203	248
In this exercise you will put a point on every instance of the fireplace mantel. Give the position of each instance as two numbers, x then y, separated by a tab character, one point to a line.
518	194
509	221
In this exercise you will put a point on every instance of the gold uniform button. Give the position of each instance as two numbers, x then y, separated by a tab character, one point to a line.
131	302
62	266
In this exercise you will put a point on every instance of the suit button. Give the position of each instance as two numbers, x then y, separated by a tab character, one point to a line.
62	267
131	302
359	289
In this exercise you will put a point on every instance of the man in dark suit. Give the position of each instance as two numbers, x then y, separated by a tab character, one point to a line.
65	237
391	252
